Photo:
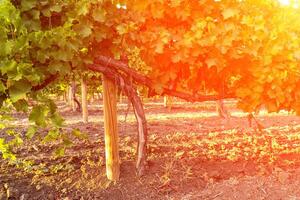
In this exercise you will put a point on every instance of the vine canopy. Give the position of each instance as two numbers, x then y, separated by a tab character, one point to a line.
249	48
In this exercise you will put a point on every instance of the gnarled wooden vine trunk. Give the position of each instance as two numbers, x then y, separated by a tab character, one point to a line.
126	86
125	77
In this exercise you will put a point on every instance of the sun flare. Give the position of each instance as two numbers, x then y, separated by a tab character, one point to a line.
292	3
285	2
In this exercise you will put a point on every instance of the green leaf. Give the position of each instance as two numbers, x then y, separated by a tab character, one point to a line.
6	48
2	99
52	106
21	105
57	120
27	4
38	115
33	25
56	8
84	50
31	131
46	12
4	117
60	151
35	14
51	136
42	56
77	133
3	145
84	7
60	67
17	141
19	90
83	30
2	87
2	126
8	66
66	141
63	55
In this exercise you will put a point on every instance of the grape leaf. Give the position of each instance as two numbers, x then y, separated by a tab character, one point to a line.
99	15
28	4
31	131
38	115
229	12
19	90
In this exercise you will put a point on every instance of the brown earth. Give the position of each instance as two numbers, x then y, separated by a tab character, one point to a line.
193	154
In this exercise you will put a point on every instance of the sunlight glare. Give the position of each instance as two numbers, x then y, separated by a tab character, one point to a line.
293	3
285	2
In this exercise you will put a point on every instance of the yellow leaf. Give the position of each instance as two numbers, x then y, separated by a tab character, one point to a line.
179	154
159	48
229	12
211	62
122	29
297	55
175	3
99	15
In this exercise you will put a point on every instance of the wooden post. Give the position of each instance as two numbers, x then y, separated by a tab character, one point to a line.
65	96
84	100
70	96
110	129
222	111
121	97
93	97
73	91
165	101
99	96
168	102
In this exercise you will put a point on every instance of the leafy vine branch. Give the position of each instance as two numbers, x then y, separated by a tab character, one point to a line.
123	68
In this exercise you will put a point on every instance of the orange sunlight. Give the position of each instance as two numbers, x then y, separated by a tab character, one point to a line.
293	3
285	2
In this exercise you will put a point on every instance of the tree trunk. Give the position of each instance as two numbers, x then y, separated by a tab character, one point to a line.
84	100
111	132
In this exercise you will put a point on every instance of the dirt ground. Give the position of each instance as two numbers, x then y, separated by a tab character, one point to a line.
193	154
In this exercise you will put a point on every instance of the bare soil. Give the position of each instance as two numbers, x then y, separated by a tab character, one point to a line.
193	154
